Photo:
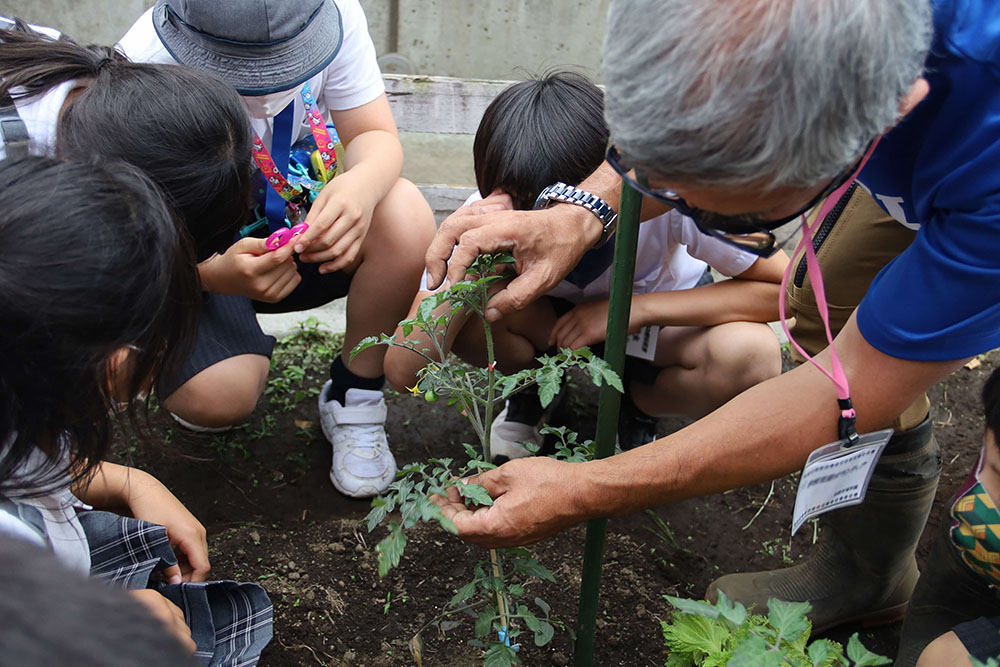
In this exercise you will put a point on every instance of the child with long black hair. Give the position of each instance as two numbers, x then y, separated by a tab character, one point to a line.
186	129
298	66
113	310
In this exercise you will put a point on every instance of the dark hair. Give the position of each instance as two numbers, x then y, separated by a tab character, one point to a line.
991	402
91	261
53	616
537	132
187	129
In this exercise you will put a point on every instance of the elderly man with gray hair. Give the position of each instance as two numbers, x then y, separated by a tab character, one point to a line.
744	115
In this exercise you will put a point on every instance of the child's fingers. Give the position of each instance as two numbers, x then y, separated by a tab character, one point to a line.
172	574
284	286
344	261
560	328
198	569
346	252
251	245
169	614
321	217
195	549
279	255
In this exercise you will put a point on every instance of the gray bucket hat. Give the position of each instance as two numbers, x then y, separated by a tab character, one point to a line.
258	46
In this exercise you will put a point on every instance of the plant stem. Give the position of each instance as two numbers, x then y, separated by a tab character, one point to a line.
501	603
487	426
491	375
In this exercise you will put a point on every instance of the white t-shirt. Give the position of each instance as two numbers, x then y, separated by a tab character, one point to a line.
41	112
671	255
64	533
350	80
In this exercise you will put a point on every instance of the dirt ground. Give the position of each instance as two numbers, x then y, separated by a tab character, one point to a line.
263	493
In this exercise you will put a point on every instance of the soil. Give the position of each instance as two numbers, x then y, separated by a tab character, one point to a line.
263	493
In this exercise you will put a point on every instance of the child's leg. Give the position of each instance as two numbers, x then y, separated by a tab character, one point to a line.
703	367
224	394
220	383
402	364
386	279
517	338
386	276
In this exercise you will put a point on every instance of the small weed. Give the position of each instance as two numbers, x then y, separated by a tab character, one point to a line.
778	547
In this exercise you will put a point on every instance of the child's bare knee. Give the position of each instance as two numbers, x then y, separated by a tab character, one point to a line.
223	394
946	650
400	368
749	353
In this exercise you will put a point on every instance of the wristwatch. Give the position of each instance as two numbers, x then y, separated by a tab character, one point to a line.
561	192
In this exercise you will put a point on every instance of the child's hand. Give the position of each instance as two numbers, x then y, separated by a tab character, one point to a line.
586	324
248	268
150	501
338	224
168	613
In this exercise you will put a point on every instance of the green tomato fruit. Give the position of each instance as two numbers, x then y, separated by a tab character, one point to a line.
430	396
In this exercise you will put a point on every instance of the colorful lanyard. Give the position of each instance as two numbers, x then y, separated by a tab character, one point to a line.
836	373
283	192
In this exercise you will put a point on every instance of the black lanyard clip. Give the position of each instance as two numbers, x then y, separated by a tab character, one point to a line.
845	425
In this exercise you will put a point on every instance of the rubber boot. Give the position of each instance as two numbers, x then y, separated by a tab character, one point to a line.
948	593
863	570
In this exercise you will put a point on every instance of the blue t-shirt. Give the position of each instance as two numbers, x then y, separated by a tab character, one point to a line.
940	169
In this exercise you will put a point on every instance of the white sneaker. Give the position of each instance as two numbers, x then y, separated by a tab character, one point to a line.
507	436
519	423
363	466
195	428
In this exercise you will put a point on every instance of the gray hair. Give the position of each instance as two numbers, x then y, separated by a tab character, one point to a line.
734	92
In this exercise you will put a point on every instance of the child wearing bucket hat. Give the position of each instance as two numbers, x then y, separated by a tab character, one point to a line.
297	64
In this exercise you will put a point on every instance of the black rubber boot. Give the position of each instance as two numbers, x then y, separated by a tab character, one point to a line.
948	593
863	570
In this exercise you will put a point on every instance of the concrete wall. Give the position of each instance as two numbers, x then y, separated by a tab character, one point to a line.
95	21
481	40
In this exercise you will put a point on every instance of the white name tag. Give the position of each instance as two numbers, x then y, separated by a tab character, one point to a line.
642	344
837	476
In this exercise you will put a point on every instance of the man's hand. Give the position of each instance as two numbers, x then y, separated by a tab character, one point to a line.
167	613
533	498
546	245
248	268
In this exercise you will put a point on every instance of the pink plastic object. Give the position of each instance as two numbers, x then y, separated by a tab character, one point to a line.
278	239
283	236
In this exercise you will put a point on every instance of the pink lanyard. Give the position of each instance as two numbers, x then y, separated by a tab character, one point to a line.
836	373
324	143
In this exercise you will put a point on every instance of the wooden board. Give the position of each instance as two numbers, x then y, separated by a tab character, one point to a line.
439	104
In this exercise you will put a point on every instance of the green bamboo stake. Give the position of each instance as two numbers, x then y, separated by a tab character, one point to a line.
623	272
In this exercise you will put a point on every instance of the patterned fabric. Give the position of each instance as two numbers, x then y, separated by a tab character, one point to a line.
976	528
231	623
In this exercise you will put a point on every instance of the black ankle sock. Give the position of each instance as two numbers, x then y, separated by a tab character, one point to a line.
343	379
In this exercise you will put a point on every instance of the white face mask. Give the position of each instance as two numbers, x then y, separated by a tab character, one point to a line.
268	106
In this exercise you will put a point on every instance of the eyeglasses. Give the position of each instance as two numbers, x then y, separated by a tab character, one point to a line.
746	231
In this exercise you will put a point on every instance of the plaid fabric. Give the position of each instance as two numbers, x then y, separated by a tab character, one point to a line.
230	622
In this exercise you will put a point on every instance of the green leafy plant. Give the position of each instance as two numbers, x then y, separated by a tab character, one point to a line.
310	346
496	595
712	635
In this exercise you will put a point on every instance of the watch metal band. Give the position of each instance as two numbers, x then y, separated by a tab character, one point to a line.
561	192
